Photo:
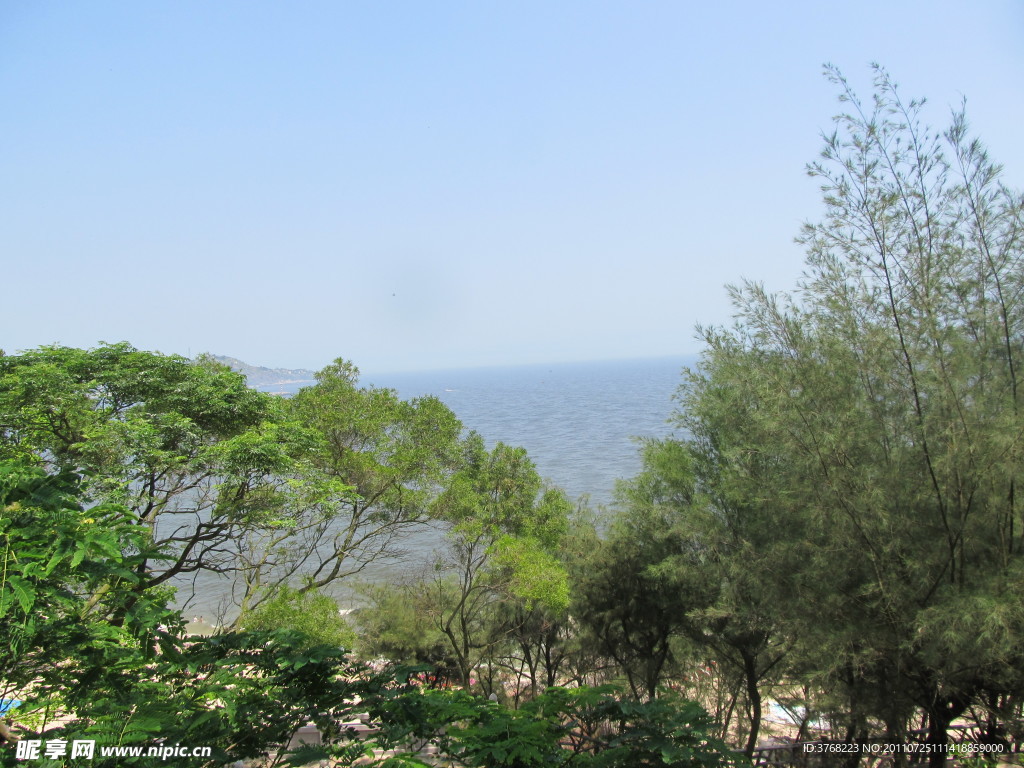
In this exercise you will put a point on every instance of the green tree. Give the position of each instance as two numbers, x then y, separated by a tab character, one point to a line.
629	603
876	415
70	620
395	624
505	529
679	534
185	450
310	614
264	491
91	657
534	644
585	727
395	455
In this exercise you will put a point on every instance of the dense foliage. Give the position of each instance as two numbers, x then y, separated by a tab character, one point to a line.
844	513
585	727
121	471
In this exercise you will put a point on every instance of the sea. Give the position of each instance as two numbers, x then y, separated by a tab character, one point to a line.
581	424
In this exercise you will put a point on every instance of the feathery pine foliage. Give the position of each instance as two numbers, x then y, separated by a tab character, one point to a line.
868	428
844	510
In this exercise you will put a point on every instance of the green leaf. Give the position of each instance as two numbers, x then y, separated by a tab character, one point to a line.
24	591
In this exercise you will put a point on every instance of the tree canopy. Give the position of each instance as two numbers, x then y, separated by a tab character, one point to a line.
841	511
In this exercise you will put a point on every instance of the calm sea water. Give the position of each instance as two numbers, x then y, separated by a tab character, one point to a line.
578	422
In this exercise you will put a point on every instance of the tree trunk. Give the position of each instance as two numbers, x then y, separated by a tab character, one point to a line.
754	698
896	733
938	735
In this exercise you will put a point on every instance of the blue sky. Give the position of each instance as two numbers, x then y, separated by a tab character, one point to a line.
438	185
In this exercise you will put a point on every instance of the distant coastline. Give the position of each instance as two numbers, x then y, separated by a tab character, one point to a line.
268	379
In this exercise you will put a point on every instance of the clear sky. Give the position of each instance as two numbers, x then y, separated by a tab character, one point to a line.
437	184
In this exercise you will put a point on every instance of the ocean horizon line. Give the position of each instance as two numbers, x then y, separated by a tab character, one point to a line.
684	358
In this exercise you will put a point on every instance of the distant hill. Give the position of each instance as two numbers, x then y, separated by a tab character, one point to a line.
268	379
